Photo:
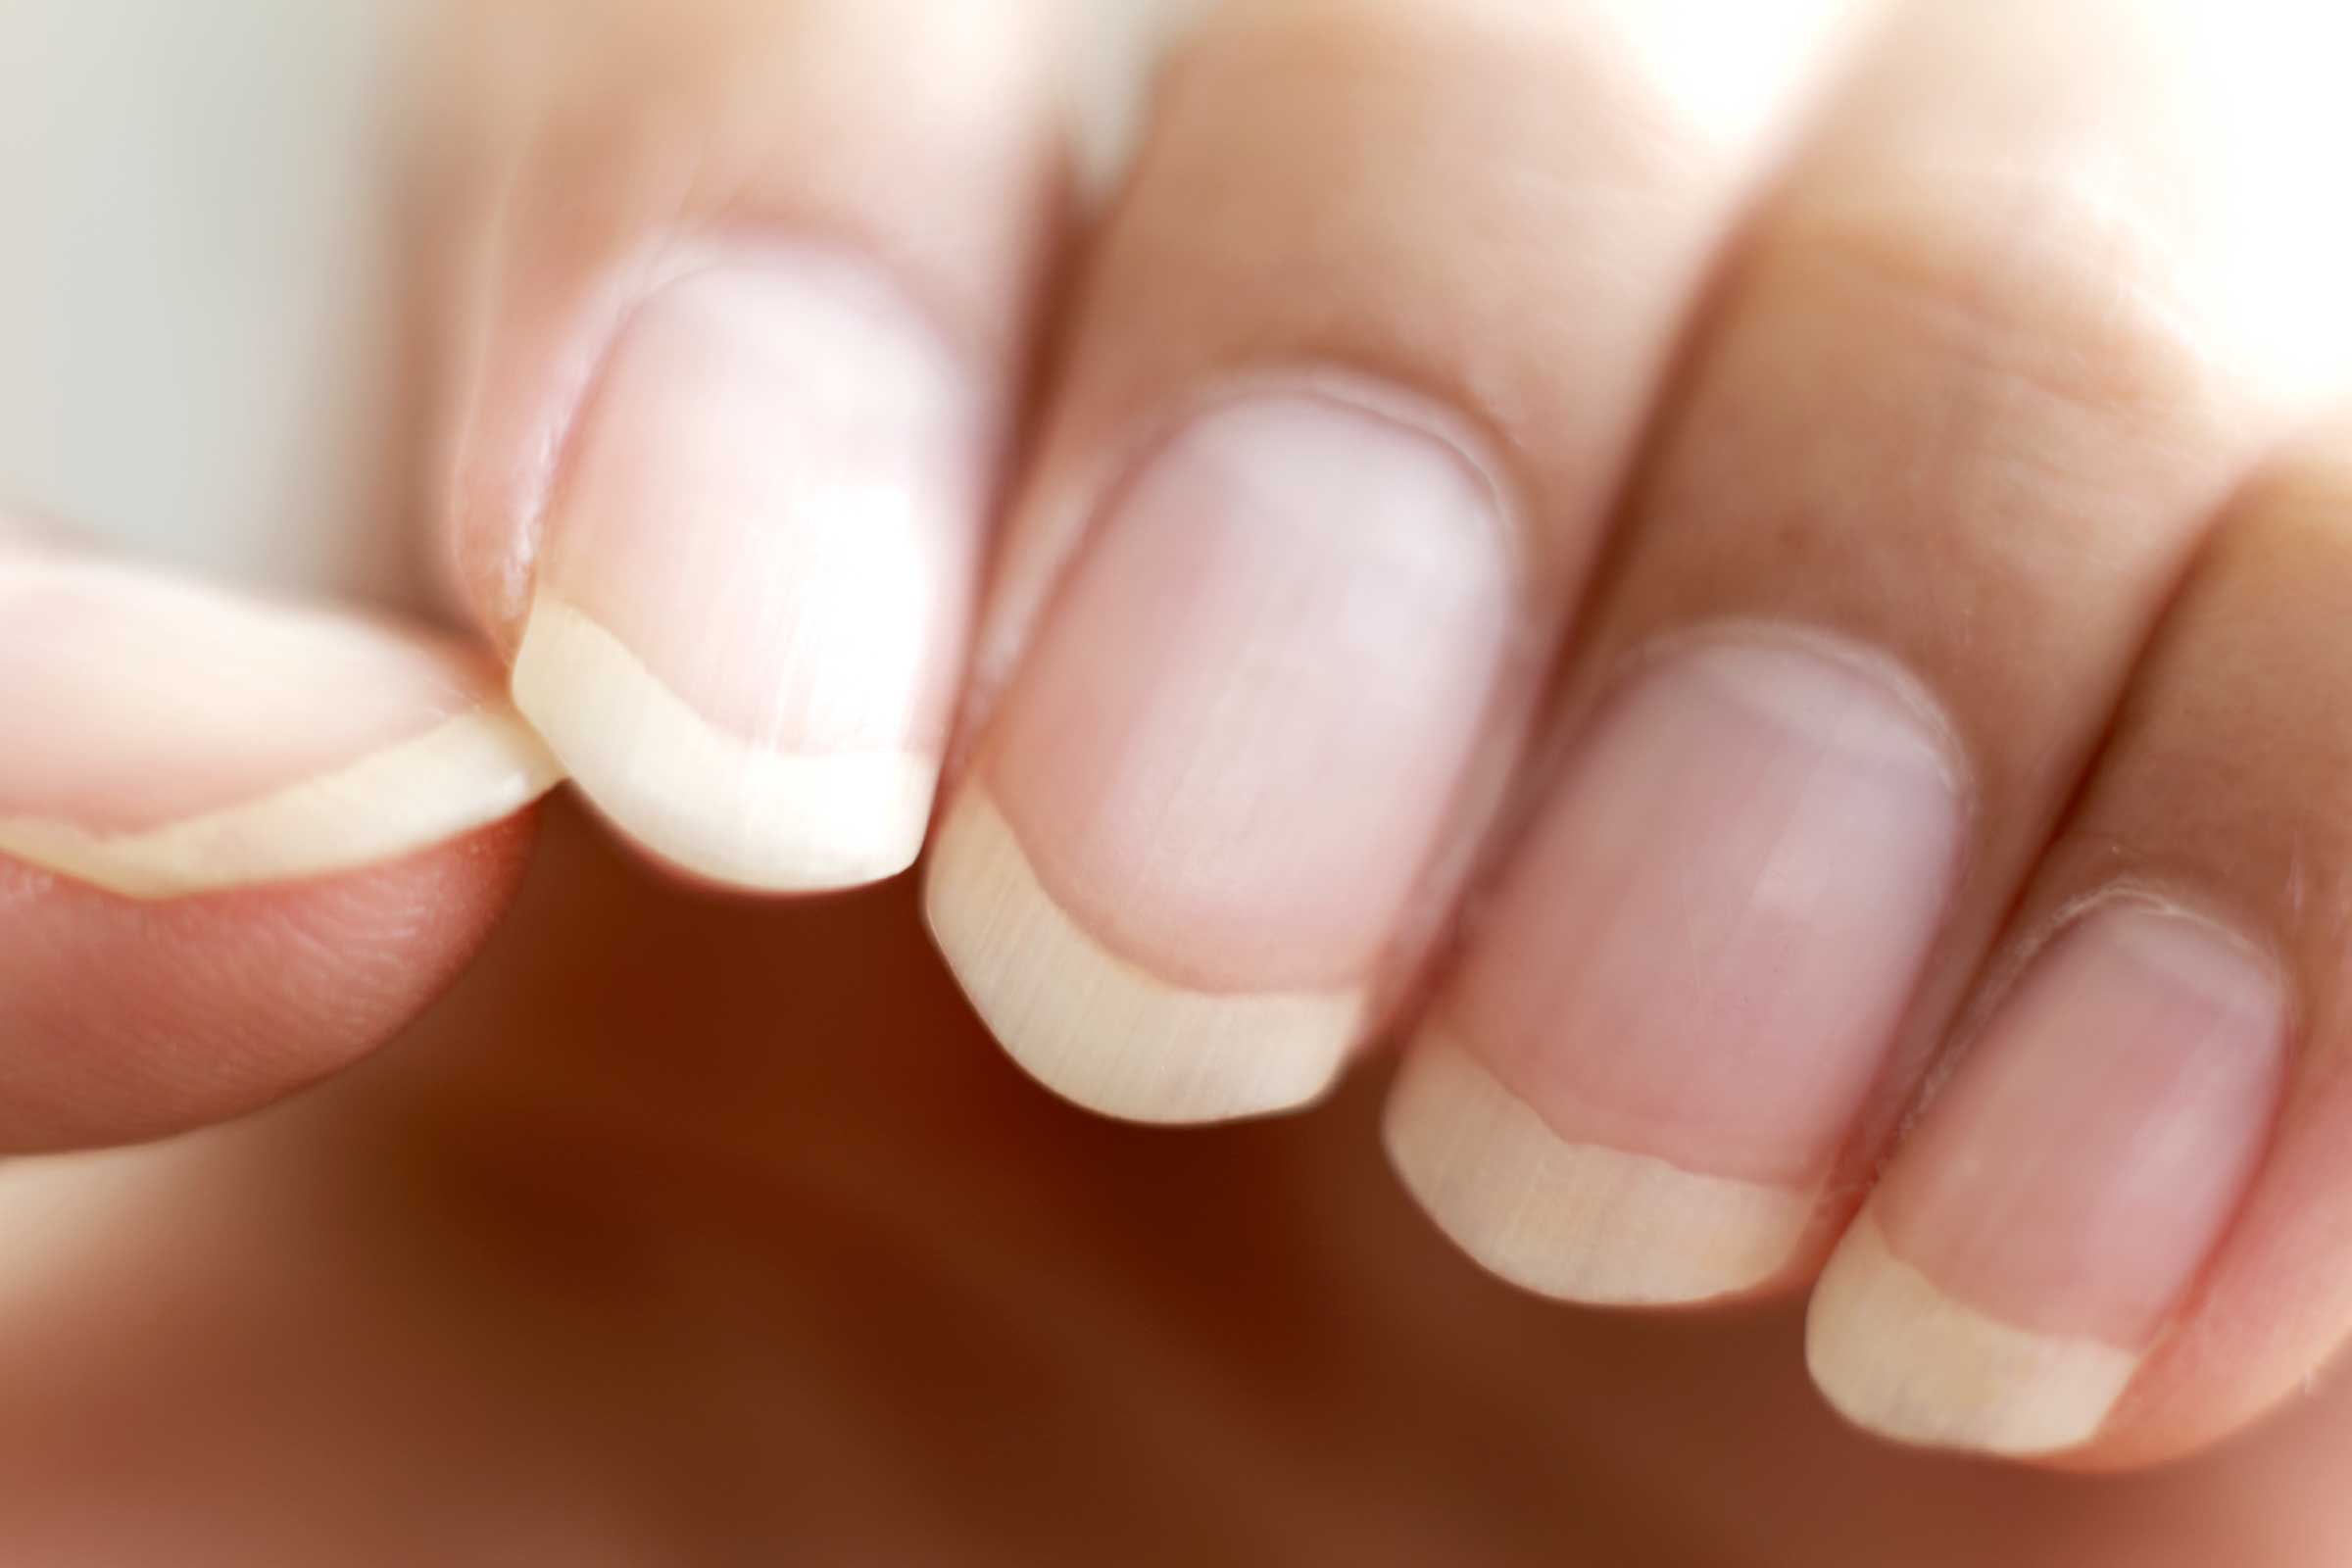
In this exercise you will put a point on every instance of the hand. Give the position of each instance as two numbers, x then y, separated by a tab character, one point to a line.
1754	595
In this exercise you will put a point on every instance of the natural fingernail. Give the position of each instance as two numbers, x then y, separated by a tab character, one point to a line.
2019	1258
751	597
161	739
1673	1005
1196	821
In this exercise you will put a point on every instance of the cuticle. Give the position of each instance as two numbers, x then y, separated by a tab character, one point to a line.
1918	697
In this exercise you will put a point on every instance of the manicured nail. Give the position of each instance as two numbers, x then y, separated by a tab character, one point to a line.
751	597
1193	828
2044	1218
1672	1008
1576	1220
161	739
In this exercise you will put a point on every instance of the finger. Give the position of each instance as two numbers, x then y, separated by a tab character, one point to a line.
1362	359
750	339
238	842
2120	1221
1991	361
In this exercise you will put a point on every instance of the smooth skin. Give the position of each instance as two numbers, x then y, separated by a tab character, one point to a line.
1723	627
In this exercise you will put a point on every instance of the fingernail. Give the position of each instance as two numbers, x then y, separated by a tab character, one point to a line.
1577	1220
1671	1009
1200	811
161	739
2022	1252
752	595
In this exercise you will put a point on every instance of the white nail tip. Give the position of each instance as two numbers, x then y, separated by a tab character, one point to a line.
463	774
1100	1031
1575	1221
1898	1356
713	805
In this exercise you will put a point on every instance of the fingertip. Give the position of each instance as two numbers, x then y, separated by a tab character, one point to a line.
240	842
1100	1029
123	1019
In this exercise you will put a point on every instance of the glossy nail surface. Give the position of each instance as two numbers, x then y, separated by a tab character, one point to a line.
1196	819
1672	1007
753	593
2032	1233
161	739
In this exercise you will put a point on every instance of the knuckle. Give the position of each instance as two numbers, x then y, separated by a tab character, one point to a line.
1570	79
2047	284
2301	507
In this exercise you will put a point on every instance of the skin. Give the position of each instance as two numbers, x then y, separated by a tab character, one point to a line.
691	1228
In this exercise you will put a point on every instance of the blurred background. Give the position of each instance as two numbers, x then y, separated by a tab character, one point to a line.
199	350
